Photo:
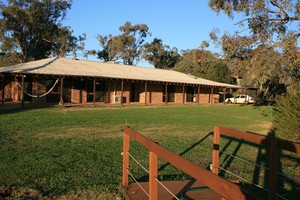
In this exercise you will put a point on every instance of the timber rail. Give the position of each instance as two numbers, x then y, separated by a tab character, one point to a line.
275	145
222	187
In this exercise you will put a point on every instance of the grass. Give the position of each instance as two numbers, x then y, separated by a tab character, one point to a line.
76	152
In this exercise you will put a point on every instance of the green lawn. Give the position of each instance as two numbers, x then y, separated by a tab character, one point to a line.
76	152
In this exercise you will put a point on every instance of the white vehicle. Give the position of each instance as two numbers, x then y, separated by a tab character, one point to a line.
241	98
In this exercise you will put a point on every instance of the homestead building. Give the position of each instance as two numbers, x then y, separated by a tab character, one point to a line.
64	80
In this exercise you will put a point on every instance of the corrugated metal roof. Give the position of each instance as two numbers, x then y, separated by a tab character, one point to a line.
71	67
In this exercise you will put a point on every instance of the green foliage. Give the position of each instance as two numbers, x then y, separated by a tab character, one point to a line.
263	17
159	55
261	65
236	50
287	115
272	27
127	46
218	71
204	64
32	28
110	51
187	64
291	60
7	59
66	42
274	59
264	69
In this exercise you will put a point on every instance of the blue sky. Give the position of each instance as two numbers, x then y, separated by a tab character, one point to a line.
183	24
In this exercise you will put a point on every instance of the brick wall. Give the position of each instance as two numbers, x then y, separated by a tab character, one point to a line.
205	95
12	92
78	91
114	91
155	93
38	88
78	96
178	95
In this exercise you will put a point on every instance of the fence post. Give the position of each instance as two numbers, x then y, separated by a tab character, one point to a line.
216	146
126	139
274	154
153	174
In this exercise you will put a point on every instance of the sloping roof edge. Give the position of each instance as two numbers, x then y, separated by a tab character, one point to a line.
71	67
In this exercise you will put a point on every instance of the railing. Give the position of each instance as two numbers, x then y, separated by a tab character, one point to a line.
219	185
275	145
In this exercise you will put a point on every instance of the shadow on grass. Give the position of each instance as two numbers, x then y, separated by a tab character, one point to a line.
16	107
188	149
176	176
260	181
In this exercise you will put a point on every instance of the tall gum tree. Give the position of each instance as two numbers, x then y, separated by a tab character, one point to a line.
31	27
274	20
127	46
160	55
263	17
272	23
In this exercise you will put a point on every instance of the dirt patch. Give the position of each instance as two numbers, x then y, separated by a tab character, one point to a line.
20	193
32	194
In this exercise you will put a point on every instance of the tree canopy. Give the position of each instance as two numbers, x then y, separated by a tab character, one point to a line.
263	17
204	64
159	55
127	46
270	24
32	29
266	60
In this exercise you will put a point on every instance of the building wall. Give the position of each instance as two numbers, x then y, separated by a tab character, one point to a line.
115	91
78	96
142	93
12	92
178	95
205	95
77	92
155	93
39	87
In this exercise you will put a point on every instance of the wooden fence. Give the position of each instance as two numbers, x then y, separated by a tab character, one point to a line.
224	188
275	145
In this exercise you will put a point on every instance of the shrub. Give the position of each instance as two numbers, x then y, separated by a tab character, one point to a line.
287	116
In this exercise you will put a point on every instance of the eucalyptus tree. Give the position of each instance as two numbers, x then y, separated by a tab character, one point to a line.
110	48
30	28
218	71
159	55
127	46
66	42
264	69
263	17
273	21
8	58
187	63
204	64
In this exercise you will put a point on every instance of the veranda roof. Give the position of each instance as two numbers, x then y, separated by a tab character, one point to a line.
72	67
